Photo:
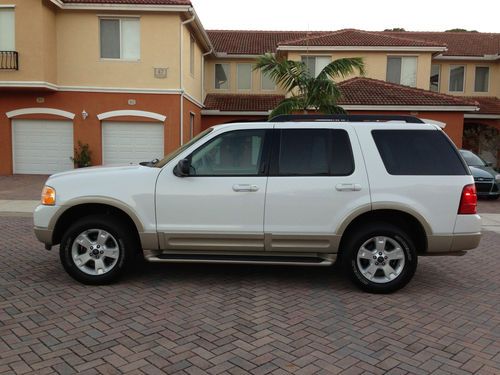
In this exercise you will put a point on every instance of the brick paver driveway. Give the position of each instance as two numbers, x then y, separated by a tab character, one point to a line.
200	319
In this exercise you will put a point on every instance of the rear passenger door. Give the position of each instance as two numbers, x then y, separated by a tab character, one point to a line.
316	180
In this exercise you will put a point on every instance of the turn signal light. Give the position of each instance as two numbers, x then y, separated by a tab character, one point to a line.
468	201
48	196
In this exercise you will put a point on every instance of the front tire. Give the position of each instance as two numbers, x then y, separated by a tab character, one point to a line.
97	249
379	258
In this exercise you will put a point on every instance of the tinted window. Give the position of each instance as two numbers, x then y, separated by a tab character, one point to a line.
232	153
418	152
472	159
314	152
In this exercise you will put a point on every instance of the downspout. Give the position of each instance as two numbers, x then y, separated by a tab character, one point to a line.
181	69
203	73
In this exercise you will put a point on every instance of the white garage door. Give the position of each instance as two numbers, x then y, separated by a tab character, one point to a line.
131	142
42	146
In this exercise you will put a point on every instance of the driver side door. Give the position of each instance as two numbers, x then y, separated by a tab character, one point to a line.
220	204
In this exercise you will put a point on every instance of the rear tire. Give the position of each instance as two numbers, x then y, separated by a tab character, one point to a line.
379	258
97	249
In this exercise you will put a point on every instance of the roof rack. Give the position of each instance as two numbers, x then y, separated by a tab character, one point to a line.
347	118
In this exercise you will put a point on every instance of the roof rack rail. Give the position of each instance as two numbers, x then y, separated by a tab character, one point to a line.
347	118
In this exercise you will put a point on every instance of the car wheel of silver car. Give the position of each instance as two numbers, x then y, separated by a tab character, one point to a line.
380	258
95	250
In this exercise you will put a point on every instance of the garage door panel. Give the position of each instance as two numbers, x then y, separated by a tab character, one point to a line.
42	146
131	142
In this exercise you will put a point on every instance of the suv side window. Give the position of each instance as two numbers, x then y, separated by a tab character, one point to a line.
314	152
418	153
235	153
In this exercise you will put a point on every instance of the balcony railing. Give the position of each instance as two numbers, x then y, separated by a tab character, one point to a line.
9	60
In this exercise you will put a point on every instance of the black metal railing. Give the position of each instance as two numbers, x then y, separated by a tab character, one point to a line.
9	60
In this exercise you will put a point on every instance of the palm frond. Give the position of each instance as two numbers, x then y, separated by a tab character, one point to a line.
287	106
343	68
286	73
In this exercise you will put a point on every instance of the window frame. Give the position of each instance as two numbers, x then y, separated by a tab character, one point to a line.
11	8
263	168
276	150
262	74
451	66
475	78
439	78
238	77
192	121
119	19
228	75
315	57
401	57
192	49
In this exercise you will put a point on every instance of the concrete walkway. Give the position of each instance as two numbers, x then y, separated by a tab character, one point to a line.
491	222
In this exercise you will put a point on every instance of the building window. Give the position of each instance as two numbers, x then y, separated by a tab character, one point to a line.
402	70
315	64
244	76
266	82
191	55
457	78
222	76
120	38
192	118
7	29
482	79
435	77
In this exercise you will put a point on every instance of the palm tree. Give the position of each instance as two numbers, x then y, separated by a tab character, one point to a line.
307	92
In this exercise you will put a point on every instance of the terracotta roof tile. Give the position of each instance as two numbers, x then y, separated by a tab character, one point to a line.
247	42
459	44
138	2
242	103
368	91
355	91
352	37
488	105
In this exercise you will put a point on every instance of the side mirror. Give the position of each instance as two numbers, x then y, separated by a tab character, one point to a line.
182	168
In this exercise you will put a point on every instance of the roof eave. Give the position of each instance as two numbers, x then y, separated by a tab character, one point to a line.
431	108
135	7
475	58
362	48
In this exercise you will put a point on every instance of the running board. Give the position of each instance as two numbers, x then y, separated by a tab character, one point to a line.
240	259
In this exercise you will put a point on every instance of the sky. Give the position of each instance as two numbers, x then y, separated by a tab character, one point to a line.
417	15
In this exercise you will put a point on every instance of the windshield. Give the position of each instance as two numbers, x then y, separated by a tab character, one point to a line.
472	159
173	154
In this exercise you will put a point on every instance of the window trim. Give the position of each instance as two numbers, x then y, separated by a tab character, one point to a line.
315	56
449	76
401	57
119	18
439	78
228	76
263	169
475	78
192	48
262	81
11	7
238	77
192	121
276	150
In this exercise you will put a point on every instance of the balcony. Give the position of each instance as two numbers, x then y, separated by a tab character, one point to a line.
9	60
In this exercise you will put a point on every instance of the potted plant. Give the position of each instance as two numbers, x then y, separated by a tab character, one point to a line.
82	156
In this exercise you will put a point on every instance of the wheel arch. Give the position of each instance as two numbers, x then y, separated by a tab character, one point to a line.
412	223
84	207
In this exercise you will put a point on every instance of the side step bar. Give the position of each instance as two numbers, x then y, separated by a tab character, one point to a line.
240	259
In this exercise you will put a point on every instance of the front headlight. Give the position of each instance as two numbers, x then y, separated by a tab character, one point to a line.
48	196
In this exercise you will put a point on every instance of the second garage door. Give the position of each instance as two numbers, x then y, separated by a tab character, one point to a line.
131	142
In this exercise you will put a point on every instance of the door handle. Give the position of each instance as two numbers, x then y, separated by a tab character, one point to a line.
245	188
348	187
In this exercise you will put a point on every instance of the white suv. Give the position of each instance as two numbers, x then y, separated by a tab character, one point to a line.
371	194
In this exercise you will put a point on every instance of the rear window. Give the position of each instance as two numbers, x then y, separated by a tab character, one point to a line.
418	152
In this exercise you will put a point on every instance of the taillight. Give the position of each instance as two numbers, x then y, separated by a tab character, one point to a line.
468	201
